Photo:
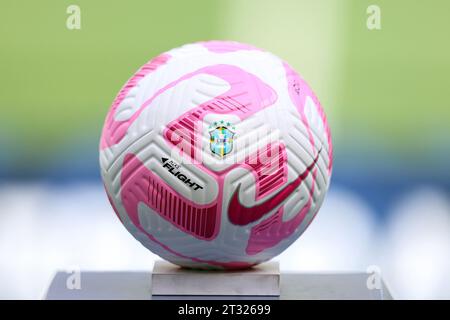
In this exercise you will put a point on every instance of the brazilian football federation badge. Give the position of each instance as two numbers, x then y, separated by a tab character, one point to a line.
221	137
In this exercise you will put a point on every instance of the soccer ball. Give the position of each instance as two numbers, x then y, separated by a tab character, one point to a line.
216	155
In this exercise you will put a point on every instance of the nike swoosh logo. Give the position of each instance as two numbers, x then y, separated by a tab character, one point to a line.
242	215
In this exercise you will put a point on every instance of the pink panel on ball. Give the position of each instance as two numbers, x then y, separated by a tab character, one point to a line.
113	130
137	187
269	170
247	94
298	92
273	230
242	215
139	184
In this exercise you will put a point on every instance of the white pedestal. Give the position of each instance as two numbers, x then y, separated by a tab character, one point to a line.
171	280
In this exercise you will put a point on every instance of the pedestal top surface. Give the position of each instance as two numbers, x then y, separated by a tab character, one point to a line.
115	285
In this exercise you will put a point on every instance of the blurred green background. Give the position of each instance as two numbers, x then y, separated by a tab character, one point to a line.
384	91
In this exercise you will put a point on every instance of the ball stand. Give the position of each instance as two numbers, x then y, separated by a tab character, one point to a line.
171	280
168	281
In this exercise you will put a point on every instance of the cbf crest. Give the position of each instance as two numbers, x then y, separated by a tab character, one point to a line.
221	137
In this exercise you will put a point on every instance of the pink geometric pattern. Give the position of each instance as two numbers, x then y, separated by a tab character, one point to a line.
246	96
241	215
113	131
299	91
273	230
139	184
261	222
270	174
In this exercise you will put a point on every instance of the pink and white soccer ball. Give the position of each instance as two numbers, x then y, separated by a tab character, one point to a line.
216	155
